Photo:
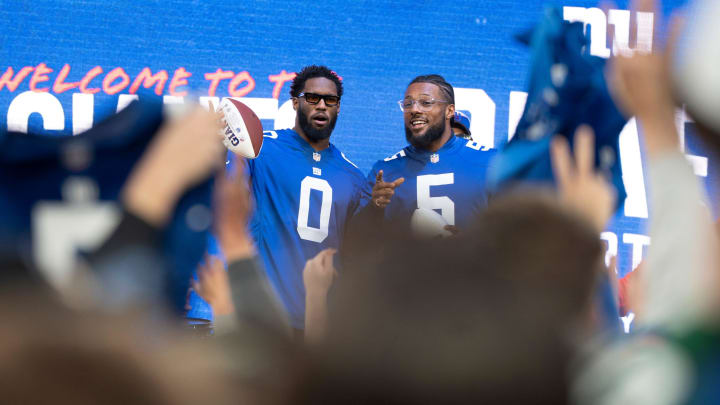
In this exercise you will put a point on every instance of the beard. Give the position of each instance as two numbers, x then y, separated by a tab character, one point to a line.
432	134
313	133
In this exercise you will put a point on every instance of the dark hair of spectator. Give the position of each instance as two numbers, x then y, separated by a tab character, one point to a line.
485	317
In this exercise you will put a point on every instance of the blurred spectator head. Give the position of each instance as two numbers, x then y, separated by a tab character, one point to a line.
49	354
695	61
694	76
486	316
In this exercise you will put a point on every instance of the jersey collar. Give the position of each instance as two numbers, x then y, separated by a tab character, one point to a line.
306	146
422	154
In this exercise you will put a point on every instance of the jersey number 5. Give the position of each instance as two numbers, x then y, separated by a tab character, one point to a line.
444	204
306	231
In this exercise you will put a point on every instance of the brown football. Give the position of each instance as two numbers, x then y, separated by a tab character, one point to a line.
243	131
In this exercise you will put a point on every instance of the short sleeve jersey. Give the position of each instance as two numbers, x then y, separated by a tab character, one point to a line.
303	200
450	181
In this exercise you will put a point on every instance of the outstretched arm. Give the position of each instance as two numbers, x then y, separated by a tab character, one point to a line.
318	276
680	272
183	153
243	291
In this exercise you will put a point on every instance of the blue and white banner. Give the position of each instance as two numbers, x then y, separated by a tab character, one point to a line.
67	64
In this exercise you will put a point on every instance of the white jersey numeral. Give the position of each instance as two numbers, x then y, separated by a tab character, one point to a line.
304	230
61	228
473	145
444	204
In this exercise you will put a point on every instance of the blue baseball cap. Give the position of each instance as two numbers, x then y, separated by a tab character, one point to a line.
460	119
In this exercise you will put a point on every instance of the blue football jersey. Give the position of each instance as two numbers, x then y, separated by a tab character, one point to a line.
198	308
450	181
303	200
59	197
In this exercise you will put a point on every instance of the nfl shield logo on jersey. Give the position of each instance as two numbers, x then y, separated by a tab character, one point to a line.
434	158
316	156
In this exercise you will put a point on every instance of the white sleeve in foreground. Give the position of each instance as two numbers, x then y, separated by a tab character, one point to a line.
680	271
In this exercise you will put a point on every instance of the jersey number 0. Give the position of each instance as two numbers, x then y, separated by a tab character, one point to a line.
306	231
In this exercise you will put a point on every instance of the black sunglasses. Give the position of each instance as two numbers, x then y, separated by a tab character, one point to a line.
312	98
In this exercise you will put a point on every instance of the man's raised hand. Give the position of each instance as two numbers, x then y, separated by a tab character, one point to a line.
383	191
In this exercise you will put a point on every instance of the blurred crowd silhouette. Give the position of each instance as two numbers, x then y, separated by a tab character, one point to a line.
506	311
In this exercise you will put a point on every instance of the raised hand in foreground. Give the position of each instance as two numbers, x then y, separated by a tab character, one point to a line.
318	276
580	187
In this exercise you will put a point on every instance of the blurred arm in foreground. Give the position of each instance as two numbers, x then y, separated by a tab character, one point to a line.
185	152
318	276
672	357
680	271
243	293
